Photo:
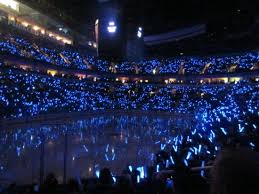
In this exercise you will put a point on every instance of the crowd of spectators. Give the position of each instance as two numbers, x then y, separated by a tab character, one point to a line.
25	94
235	171
70	57
227	115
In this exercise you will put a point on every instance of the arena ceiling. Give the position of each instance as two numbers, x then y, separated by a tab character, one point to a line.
158	16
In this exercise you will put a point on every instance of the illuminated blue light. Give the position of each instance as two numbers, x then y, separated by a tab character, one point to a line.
139	34
142	173
114	179
77	96
85	148
157	168
172	160
186	163
194	132
113	156
130	168
241	129
111	23
175	148
97	173
18	151
188	155
223	130
202	166
112	28
199	148
106	157
162	146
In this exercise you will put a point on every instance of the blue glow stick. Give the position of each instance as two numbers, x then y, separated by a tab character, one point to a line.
130	168
241	129
175	148
202	166
106	157
114	179
142	173
97	173
85	148
188	155
172	160
200	148
18	151
213	134
223	130
186	163
113	157
195	151
194	131
252	144
139	169
107	148
162	146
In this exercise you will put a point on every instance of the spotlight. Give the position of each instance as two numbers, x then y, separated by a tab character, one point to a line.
139	32
111	23
112	27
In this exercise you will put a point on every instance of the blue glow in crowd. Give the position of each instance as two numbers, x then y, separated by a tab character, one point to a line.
89	141
75	59
223	114
30	94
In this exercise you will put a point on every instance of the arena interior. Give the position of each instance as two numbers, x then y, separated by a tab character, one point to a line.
130	97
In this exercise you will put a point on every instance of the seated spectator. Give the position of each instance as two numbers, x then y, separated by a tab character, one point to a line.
236	171
105	177
105	184
124	185
73	186
50	184
188	183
